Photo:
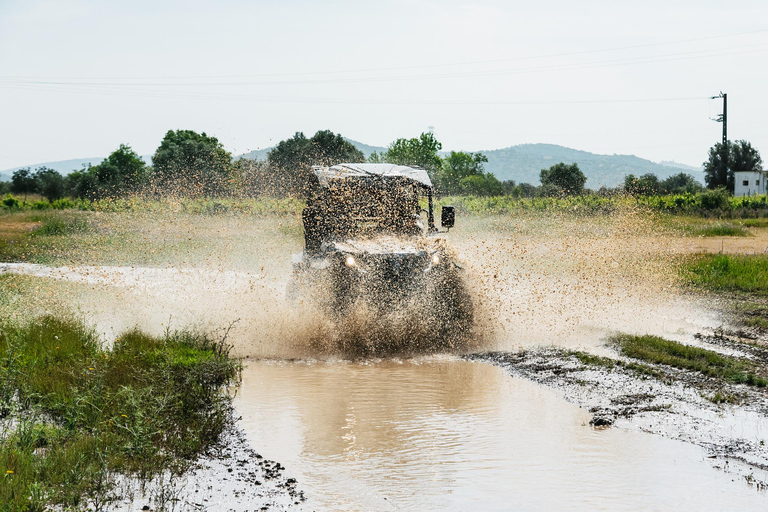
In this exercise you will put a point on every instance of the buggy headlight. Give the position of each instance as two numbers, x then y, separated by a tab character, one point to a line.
350	261
436	259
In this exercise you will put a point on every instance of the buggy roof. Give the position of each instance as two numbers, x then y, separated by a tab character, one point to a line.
326	175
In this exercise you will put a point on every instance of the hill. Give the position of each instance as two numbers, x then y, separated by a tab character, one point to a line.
63	166
523	164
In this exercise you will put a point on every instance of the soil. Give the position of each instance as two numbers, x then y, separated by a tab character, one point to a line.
233	478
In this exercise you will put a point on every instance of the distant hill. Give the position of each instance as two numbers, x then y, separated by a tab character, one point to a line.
261	154
256	154
683	167
521	163
63	166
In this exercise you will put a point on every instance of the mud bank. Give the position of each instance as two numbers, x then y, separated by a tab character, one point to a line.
234	478
659	400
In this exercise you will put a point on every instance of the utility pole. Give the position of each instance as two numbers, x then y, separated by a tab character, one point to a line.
723	118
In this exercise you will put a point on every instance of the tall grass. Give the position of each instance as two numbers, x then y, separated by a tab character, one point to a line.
81	415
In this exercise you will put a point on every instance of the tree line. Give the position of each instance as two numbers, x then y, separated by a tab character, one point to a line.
191	164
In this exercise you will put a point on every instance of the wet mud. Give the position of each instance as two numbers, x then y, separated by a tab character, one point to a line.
233	477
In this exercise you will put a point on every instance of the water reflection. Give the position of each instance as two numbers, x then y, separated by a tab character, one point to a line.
443	434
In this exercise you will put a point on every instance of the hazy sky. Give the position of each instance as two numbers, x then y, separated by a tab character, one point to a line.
77	78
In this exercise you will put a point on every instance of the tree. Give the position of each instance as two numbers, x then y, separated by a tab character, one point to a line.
292	159
726	159
568	179
121	172
744	157
81	183
190	163
525	190
421	152
50	183
22	182
457	167
646	185
680	184
485	184
508	186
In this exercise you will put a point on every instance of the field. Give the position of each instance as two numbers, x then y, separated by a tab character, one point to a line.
150	295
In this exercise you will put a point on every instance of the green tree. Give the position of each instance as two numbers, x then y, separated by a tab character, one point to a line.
508	186
190	163
421	152
484	184
744	157
567	179
82	183
23	182
457	167
120	173
726	159
645	185
291	161
525	190
50	183
680	184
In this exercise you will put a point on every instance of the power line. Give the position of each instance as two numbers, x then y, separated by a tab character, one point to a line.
468	74
421	66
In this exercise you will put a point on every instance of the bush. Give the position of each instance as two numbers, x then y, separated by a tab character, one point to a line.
717	199
11	202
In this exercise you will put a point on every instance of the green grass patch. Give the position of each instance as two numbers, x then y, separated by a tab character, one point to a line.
727	272
656	350
754	223
718	229
609	364
83	415
61	224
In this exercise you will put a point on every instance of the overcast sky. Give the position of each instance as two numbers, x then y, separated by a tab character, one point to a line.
78	78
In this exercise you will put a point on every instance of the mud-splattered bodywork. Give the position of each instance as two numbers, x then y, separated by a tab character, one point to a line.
366	250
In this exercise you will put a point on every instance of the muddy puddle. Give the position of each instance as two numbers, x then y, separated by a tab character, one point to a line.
441	433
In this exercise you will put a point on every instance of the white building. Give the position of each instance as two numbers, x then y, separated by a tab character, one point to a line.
749	183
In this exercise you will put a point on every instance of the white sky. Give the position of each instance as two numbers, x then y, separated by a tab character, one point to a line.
77	78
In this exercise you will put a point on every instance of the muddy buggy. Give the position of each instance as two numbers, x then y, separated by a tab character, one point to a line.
366	246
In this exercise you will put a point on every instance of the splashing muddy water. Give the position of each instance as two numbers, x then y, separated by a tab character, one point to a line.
536	280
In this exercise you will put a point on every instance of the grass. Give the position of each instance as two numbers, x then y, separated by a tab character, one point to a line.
53	224
725	272
656	350
718	229
608	363
74	416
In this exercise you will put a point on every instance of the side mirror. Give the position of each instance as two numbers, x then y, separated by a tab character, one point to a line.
447	217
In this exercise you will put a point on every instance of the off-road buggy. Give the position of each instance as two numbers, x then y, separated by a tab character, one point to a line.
366	246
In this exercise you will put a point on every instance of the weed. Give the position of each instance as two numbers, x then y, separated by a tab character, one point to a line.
722	398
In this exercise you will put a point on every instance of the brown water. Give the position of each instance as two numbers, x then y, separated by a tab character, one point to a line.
445	434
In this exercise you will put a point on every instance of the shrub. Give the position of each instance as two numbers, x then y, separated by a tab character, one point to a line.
11	202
